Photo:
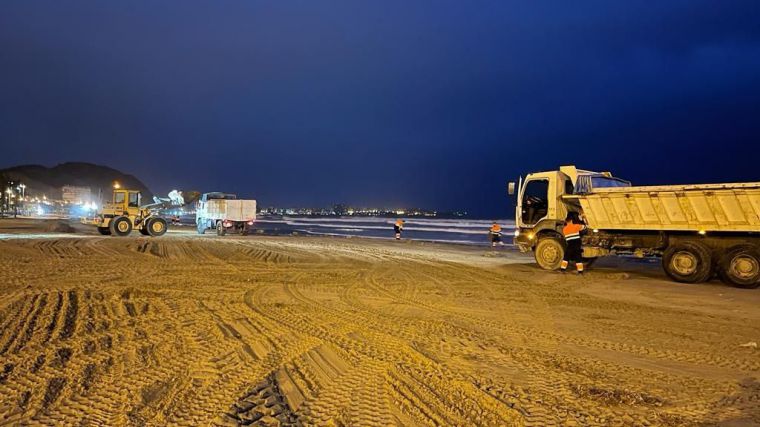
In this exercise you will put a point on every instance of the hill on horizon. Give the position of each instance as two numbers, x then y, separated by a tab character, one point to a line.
41	180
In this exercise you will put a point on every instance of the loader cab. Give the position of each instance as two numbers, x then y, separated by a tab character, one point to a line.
126	200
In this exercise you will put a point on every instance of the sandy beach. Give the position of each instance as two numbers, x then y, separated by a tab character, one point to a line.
201	330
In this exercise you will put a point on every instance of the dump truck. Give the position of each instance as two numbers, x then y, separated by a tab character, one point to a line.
699	231
125	213
225	213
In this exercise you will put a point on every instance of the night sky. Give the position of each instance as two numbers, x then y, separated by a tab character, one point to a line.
434	104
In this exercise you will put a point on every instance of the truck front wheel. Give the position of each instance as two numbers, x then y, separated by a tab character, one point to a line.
549	253
201	224
687	262
740	267
220	231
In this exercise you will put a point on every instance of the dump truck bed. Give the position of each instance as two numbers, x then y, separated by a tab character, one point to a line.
232	210
709	207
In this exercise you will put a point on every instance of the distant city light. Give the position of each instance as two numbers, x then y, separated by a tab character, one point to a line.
116	185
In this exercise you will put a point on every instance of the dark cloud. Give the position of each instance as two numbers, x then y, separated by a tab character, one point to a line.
426	103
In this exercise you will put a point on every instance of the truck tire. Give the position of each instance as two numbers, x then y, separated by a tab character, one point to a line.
549	252
104	231
121	226
740	267
156	226
144	230
220	231
687	262
201	225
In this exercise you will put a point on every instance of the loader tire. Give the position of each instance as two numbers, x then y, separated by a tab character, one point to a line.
549	252
121	226
220	231
157	226
688	262
104	231
144	230
740	267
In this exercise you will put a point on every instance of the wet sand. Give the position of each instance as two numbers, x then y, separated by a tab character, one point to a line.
201	330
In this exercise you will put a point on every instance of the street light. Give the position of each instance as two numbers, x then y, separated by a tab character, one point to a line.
116	185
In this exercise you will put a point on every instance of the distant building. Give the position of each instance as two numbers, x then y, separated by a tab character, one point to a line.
72	194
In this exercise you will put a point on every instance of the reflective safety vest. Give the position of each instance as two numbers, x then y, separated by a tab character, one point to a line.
400	224
572	231
496	229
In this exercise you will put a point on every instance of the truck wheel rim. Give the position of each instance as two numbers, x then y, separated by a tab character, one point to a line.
123	226
157	226
549	254
745	267
684	263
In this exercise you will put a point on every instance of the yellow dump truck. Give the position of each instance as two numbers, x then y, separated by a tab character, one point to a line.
698	230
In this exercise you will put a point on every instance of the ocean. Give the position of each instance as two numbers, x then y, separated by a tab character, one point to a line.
462	231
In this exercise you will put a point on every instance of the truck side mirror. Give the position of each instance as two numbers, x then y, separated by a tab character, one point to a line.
511	188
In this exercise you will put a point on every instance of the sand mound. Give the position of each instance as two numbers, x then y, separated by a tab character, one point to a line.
59	226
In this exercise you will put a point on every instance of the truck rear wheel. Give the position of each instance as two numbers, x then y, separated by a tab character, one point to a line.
687	262
740	267
549	253
220	231
157	226
121	226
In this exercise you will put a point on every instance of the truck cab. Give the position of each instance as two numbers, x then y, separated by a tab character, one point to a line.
543	201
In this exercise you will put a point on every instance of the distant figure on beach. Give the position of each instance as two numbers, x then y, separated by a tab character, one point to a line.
574	251
398	227
495	234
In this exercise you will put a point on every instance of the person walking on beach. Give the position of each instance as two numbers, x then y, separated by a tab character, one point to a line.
495	234
398	227
573	251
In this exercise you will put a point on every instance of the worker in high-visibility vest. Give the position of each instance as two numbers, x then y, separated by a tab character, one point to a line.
573	251
398	227
495	233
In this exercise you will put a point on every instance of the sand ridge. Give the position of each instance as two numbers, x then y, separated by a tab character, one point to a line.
190	330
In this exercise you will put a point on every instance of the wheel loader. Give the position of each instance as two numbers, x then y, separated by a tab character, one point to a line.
124	213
